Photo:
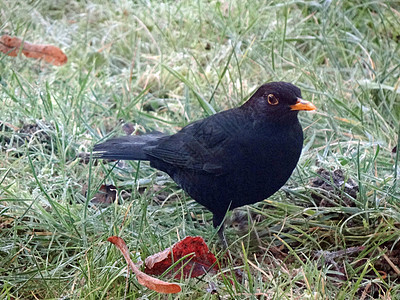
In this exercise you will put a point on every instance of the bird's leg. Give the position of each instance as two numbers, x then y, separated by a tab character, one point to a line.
219	224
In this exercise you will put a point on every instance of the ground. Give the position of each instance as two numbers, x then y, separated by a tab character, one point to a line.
137	66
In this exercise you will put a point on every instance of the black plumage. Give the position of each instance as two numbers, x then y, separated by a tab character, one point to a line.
233	158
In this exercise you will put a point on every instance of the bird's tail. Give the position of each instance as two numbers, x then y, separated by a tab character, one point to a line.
129	147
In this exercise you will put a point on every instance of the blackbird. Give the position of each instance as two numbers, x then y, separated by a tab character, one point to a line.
236	157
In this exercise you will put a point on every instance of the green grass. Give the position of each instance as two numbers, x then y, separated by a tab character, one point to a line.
161	66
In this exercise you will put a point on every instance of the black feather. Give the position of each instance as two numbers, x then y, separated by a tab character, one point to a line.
131	147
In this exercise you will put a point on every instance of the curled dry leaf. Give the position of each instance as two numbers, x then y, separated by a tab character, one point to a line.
51	54
105	196
144	279
196	259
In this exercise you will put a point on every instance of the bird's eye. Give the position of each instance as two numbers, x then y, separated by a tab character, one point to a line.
272	100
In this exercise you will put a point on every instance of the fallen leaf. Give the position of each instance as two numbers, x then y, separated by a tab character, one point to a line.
105	196
128	128
11	46
196	259
144	279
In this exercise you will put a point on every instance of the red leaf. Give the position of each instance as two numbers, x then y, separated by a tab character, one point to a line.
198	261
51	54
144	279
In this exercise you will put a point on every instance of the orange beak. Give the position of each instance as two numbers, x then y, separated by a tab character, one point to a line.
303	105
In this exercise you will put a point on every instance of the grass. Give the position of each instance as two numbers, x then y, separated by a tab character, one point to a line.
161	66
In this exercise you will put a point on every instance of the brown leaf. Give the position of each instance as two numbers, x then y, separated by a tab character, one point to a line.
196	258
128	128
51	54
144	279
105	196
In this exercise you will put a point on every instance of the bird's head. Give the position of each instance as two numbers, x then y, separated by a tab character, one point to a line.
278	101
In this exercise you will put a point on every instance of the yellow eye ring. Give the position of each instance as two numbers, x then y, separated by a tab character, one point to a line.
272	100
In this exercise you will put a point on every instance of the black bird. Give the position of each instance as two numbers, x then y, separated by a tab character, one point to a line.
236	157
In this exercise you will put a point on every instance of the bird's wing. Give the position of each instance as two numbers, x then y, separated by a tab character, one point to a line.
203	146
